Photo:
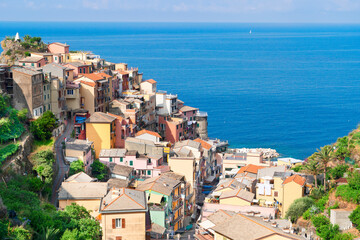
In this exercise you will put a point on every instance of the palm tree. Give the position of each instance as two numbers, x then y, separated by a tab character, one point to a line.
324	156
313	167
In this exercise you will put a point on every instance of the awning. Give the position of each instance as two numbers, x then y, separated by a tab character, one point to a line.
206	224
154	198
255	200
269	202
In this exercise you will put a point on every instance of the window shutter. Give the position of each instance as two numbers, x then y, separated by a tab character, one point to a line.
123	223
113	223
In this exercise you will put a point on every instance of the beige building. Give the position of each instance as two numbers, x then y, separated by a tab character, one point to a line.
77	149
29	91
123	214
95	91
86	194
280	190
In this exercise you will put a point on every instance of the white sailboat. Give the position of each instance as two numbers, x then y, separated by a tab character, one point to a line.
17	37
250	31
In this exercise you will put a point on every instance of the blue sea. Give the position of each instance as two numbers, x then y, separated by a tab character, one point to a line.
292	87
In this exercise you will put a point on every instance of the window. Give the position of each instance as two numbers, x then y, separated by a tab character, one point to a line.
194	112
177	126
49	107
121	159
197	125
55	58
70	92
32	64
48	86
67	73
131	163
149	160
80	70
118	223
276	193
44	97
110	159
48	96
165	118
184	113
44	108
190	118
68	57
39	65
40	110
23	64
44	88
148	172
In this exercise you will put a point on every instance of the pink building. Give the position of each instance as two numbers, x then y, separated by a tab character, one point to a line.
145	166
122	130
79	68
189	113
171	128
57	47
35	62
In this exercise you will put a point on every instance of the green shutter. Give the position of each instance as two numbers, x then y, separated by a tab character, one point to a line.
111	159
131	163
149	172
121	159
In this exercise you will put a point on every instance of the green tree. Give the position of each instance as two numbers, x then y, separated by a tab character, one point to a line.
355	217
42	127
324	156
99	170
298	207
76	166
22	115
312	167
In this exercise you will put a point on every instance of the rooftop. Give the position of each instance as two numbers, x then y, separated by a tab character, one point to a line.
82	190
31	59
113	152
121	170
78	144
250	168
117	183
187	143
187	109
27	71
100	117
295	178
152	81
144	131
203	143
80	177
60	44
78	64
240	193
162	184
122	200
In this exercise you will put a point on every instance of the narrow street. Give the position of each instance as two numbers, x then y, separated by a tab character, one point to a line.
60	163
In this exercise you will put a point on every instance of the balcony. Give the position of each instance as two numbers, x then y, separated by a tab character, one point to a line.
188	197
61	98
176	197
99	88
178	206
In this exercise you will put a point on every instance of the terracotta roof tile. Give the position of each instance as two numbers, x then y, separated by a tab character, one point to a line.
203	143
91	84
148	132
152	81
250	168
295	178
96	76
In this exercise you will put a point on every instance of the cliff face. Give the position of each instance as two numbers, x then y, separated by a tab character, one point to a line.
13	51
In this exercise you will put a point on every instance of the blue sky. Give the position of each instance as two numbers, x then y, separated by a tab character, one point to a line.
282	11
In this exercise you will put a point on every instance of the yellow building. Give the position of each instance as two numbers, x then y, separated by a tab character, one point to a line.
123	215
86	194
280	191
100	129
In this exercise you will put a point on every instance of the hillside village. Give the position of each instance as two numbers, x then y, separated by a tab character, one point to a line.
141	165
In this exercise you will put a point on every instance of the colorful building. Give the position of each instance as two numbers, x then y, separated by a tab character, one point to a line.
100	129
123	215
